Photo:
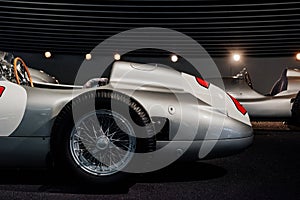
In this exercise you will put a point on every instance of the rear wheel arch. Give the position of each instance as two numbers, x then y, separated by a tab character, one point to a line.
64	120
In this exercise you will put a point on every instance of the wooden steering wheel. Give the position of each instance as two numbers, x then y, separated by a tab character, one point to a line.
22	73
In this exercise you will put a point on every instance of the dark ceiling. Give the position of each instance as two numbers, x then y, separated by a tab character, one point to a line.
255	28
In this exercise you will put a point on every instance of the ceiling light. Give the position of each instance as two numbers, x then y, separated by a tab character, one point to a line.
298	56
47	54
117	56
174	58
236	57
88	56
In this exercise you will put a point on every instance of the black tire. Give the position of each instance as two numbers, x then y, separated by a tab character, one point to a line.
65	138
296	111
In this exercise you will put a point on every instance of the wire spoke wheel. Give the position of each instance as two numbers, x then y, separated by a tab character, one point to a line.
97	143
102	143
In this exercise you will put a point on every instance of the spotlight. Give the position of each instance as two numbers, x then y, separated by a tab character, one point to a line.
174	58
298	56
88	56
47	54
117	56
236	57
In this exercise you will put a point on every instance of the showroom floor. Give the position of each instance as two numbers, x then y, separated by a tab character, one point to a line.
269	169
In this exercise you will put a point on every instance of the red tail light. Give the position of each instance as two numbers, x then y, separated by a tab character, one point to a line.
1	90
238	105
202	82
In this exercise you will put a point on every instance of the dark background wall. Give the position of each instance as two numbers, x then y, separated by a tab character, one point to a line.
264	71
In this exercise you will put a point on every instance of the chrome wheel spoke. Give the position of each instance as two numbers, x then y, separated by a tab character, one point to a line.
84	139
86	133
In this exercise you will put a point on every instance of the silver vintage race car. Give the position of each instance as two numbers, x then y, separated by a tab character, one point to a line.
140	119
282	103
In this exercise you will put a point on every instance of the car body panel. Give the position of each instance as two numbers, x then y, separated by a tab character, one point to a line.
27	152
13	100
125	76
195	113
